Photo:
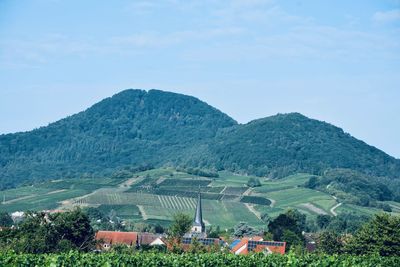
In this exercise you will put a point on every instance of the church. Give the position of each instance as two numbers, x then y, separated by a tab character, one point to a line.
198	226
198	231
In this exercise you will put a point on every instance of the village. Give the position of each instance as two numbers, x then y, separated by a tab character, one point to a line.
197	235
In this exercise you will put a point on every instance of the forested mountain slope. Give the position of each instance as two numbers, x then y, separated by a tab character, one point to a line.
287	143
131	128
157	128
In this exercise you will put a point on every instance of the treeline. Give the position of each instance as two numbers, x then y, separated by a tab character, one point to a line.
48	233
53	233
357	188
199	172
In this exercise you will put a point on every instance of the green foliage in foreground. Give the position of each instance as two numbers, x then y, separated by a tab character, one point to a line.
41	233
207	259
379	236
180	225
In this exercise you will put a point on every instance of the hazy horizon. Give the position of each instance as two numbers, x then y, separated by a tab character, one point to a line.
337	62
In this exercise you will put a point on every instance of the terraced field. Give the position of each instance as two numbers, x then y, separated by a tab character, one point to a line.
156	195
40	201
131	212
52	194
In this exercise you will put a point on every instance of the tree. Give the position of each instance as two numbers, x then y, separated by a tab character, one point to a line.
253	182
380	236
312	182
214	233
347	223
291	220
34	235
181	224
323	221
196	246
242	229
292	239
5	219
159	229
329	242
44	233
287	225
75	227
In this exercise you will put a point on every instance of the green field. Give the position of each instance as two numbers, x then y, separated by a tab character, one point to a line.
131	212
156	195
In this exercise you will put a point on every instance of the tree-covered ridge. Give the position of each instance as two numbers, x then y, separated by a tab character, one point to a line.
137	128
358	188
286	143
131	128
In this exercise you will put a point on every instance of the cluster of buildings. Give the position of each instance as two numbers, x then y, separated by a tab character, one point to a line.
197	234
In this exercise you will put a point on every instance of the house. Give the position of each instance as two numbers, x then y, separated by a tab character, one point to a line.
159	241
17	216
256	244
107	239
311	244
149	239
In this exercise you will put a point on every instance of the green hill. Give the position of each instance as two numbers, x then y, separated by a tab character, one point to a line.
131	128
287	143
135	129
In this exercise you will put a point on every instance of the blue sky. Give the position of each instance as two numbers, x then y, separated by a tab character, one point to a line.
337	61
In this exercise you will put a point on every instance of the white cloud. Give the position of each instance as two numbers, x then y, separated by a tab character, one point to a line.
147	40
387	16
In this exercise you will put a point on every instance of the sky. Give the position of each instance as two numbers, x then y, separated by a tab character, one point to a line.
336	61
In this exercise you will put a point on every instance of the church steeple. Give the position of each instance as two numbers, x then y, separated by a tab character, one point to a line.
198	224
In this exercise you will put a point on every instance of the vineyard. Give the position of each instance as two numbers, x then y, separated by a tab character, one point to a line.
156	195
207	259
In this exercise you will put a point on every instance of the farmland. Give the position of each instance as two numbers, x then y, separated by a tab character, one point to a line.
156	195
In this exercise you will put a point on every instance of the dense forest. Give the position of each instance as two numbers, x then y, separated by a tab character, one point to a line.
132	128
286	143
155	128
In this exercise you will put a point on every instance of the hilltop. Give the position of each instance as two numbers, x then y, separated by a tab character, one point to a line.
132	128
287	143
136	129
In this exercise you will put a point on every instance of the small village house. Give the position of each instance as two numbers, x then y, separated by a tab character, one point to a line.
256	244
107	239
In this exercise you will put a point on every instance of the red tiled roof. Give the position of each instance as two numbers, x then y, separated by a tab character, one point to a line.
110	237
242	243
147	238
243	246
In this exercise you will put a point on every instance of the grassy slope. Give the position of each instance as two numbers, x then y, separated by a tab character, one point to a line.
108	195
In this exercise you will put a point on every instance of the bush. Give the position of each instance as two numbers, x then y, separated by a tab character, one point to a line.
254	182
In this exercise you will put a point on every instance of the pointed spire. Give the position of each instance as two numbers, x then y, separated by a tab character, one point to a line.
198	219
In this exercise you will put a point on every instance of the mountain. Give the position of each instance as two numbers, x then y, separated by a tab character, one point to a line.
138	128
131	128
287	143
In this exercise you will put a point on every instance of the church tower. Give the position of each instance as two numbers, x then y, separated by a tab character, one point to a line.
198	227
